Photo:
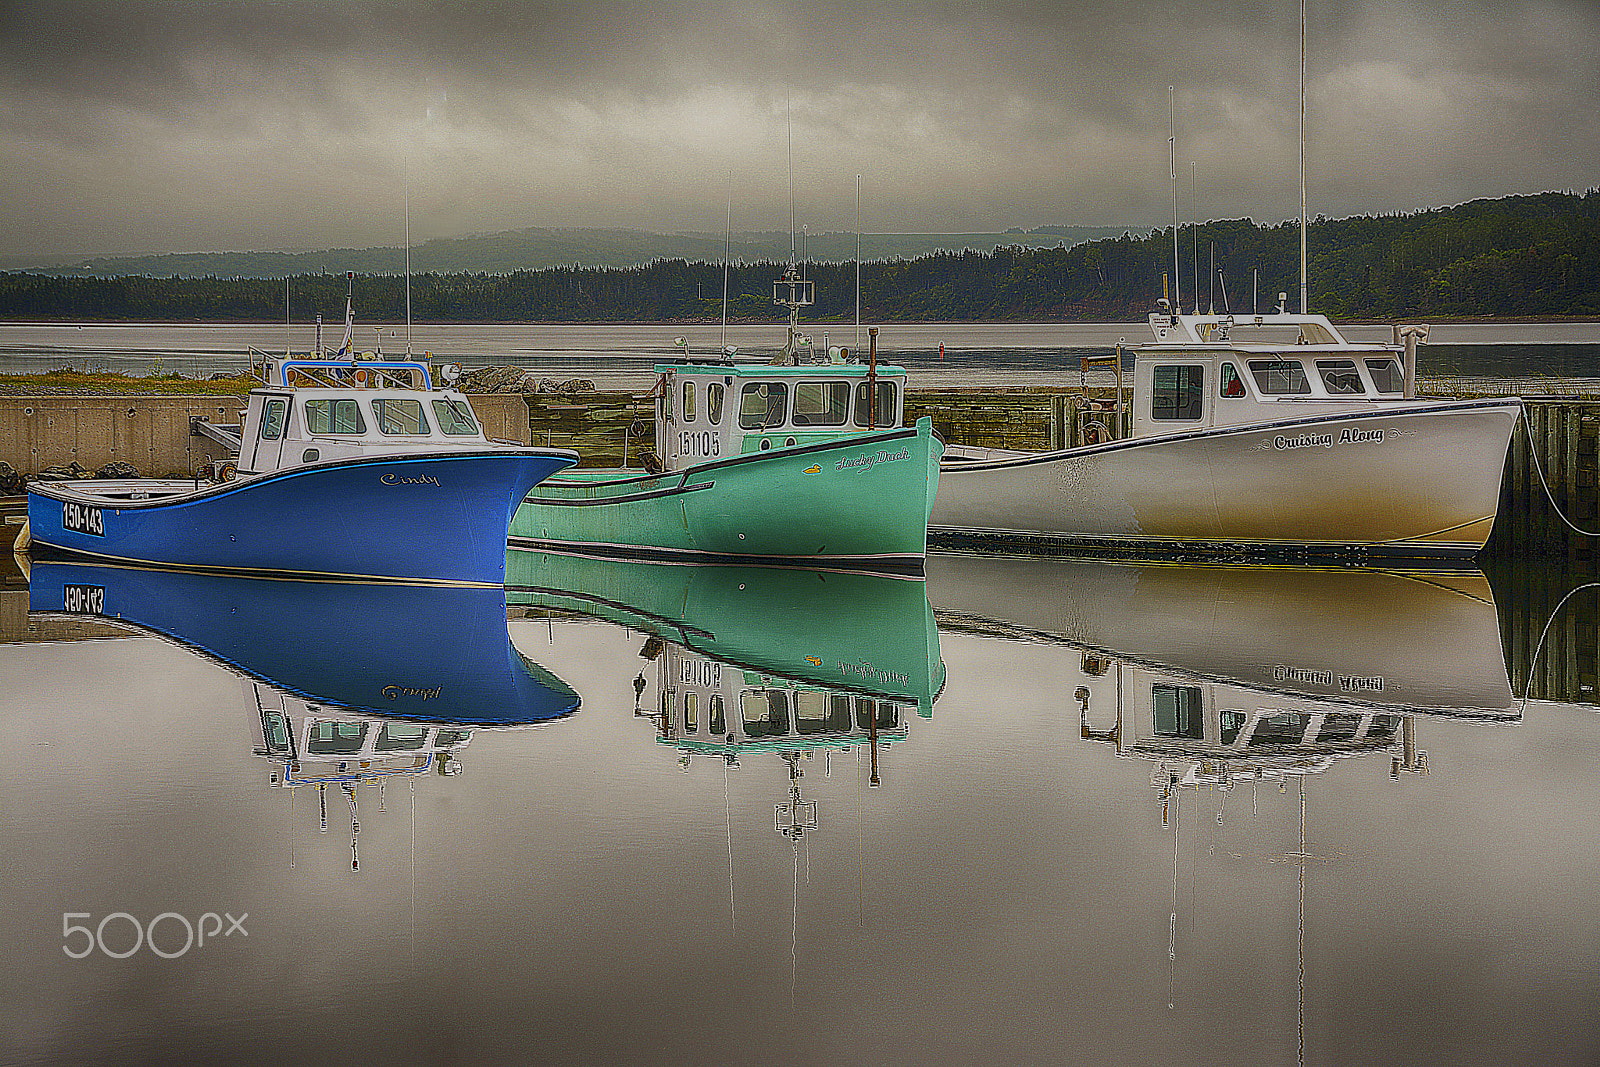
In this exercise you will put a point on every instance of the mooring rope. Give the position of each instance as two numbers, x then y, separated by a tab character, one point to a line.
1538	650
1533	454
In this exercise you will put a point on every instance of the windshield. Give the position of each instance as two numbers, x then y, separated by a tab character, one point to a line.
454	417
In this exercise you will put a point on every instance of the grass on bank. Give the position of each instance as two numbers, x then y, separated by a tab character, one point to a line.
67	382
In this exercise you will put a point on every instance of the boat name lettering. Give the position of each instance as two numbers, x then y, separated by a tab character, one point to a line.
421	479
84	518
875	674
1348	436
1304	440
699	443
83	599
1281	673
1352	684
866	461
394	692
701	672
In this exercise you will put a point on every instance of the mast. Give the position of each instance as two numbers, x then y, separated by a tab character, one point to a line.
406	167
1172	167
1302	157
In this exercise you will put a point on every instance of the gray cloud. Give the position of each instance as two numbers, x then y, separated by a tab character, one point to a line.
180	126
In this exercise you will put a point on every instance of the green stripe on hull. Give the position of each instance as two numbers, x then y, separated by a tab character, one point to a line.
860	498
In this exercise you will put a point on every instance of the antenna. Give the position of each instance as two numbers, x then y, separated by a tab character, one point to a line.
858	264
285	317
789	116
1302	157
727	253
1194	223
406	171
1172	166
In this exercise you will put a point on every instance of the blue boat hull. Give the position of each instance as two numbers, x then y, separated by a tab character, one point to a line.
438	654
423	518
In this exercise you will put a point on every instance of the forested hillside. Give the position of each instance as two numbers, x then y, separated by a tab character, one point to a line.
1517	256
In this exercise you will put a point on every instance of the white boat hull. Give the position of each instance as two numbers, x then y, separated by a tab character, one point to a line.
1419	479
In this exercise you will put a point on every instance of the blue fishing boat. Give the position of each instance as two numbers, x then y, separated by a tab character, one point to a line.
347	467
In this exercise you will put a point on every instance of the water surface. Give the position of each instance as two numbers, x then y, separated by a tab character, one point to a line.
1122	814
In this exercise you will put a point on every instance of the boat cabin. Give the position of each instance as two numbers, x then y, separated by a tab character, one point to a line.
706	411
1214	371
317	410
709	706
318	747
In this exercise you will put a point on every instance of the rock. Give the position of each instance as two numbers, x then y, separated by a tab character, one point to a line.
117	469
63	473
11	481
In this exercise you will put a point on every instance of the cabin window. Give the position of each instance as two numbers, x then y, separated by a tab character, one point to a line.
1340	377
1288	728
1386	375
884	418
1177	711
765	711
719	718
400	417
1229	384
1232	723
1383	727
452	737
821	403
1279	377
272	419
691	713
399	737
336	738
1178	393
334	416
763	404
1339	726
811	711
887	714
275	732
688	401
454	417
714	393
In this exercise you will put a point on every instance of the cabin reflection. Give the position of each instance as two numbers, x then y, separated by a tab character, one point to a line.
721	710
1209	733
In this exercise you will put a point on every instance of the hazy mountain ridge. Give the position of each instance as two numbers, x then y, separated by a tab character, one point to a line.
540	248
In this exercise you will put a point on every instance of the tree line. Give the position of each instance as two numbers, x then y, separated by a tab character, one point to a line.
1514	256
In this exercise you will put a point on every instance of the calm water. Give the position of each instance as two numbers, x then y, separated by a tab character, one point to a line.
621	356
1122	814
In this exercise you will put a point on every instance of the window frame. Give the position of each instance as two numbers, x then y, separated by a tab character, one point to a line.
1185	397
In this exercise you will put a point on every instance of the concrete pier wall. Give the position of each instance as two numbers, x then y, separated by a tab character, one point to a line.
152	432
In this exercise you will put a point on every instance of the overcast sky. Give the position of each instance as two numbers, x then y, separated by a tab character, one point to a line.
138	126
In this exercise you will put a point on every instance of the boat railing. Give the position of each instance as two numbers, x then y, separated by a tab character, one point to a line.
338	373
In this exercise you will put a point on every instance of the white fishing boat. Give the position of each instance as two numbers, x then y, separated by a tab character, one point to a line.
1267	432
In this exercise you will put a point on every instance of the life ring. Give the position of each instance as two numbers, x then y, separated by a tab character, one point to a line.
227	472
361	378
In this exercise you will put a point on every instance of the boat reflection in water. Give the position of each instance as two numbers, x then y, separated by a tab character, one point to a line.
758	660
1221	674
1219	677
348	682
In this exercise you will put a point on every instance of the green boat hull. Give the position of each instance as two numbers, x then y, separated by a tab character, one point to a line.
862	500
865	633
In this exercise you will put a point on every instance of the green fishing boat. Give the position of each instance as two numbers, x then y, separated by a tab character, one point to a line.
804	458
